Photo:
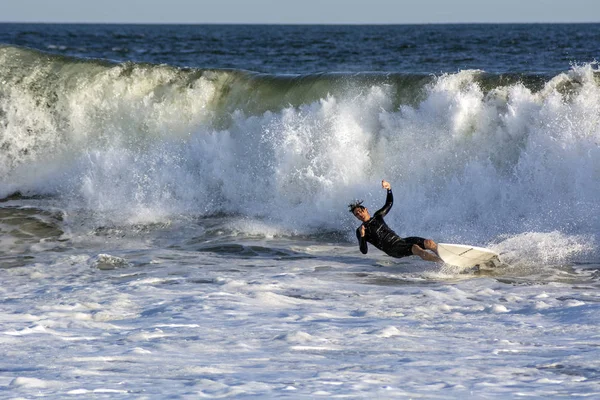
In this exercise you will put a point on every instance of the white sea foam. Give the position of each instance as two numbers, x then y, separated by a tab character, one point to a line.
260	327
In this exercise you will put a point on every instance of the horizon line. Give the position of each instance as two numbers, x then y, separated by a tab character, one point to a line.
302	23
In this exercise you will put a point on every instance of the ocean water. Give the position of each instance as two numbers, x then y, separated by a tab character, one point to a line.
174	225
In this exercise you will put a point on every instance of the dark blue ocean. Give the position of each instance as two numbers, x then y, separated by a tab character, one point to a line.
174	220
309	49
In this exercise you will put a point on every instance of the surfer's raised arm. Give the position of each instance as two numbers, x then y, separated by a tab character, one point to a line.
389	200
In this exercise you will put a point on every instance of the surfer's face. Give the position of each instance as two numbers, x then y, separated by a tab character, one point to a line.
361	213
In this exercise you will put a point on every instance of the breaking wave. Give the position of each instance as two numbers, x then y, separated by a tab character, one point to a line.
470	155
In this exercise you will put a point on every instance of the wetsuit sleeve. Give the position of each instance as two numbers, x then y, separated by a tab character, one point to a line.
389	201
362	242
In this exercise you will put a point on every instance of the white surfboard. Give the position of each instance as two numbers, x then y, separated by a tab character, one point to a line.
465	256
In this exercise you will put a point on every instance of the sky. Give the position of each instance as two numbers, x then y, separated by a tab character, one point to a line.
300	11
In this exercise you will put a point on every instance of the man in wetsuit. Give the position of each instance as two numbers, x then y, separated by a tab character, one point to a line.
375	231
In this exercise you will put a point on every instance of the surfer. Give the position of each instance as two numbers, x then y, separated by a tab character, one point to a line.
375	231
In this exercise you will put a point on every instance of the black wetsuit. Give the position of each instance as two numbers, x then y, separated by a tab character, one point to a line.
381	236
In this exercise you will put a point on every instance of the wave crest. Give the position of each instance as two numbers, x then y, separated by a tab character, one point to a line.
471	155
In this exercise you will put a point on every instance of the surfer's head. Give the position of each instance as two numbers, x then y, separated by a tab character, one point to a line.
359	210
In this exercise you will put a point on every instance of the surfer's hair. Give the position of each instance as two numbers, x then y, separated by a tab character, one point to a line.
355	204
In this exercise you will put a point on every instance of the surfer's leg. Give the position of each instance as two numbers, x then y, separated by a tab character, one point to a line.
424	254
423	243
431	245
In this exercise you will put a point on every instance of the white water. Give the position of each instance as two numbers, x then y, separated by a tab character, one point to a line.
149	294
152	323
